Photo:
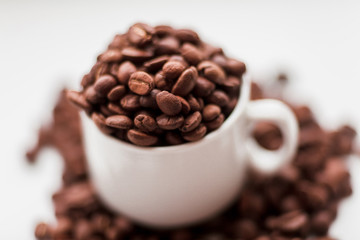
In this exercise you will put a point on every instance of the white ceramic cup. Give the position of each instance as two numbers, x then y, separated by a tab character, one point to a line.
184	184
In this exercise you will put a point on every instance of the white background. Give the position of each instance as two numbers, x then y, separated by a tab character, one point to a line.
45	45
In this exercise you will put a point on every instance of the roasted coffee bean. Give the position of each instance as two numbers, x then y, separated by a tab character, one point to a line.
116	93
78	100
244	229
185	106
124	72
156	63
92	96
111	55
186	82
194	103
114	67
168	103
216	123
173	69
191	54
210	112
235	67
232	85
119	121
212	72
321	221
119	41
136	55
99	120
167	45
163	30
230	106
220	60
140	138
130	102
117	109
145	122
87	80
210	50
149	101
187	35
195	134
166	122
218	97
104	84
42	231
140	34
191	122
203	87
173	138
292	222
161	82
104	110
141	83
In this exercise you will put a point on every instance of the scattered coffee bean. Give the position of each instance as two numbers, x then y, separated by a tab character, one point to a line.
149	101
168	103
140	138
141	83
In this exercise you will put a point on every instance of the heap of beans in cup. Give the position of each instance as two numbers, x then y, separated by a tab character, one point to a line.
160	86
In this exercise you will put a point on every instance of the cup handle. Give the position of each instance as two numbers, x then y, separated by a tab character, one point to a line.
276	112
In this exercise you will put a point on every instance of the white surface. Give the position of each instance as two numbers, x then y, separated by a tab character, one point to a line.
44	43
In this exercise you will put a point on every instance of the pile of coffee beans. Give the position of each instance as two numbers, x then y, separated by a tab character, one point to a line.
298	203
160	86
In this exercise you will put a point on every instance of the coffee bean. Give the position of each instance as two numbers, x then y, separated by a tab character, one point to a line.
210	112
210	51
167	45
99	120
87	80
232	85
92	96
168	103
114	67
130	102
166	122
104	110
220	60
235	67
83	230
156	63
119	121
194	103
191	122
230	106
116	93
216	123
145	122
173	69
140	34
140	138
149	101
185	106
141	83
104	84
136	55
119	41
218	97
212	72
163	30
203	87
161	82
100	222
186	82
292	222
173	138
196	134
111	55
191	54
187	35
116	109
124	72
42	231
321	221
78	100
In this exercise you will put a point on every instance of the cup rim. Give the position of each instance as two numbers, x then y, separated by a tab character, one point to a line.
235	114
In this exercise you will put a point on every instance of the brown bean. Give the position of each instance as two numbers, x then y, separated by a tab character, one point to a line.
119	121
196	134
119	42
173	138
220	60
111	55
232	85
168	103
141	83
191	54
187	35
104	84
173	69
116	93
167	45
92	96
136	55
161	82
145	122
116	109
235	67
140	34
212	71
78	100
99	120
191	122
194	103
203	87
185	106
149	101
186	82
163	30
166	122
140	138
130	102
104	110
124	72
218	97
210	112
156	63
216	123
